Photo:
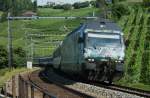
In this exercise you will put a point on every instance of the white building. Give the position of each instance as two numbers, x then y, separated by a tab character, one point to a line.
45	2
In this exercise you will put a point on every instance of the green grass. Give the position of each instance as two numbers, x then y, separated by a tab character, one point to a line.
141	86
1	13
6	74
61	12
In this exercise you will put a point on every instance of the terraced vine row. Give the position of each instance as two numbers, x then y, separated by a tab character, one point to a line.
145	72
129	29
44	44
137	36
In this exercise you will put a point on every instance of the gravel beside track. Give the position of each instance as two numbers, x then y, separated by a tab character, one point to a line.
92	90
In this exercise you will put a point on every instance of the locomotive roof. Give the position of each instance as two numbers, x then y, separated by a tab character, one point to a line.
96	25
102	24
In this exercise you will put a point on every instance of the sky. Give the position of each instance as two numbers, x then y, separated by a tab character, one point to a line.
44	2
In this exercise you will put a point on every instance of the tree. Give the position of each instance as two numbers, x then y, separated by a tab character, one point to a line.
146	2
16	7
19	57
67	6
79	5
103	7
94	4
58	7
3	57
34	5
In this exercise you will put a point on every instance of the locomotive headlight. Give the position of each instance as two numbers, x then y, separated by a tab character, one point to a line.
91	60
118	61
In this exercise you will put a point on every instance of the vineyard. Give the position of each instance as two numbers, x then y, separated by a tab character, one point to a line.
137	39
41	37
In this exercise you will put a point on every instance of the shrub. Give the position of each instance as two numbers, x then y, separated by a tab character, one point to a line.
79	5
58	7
19	57
67	6
3	17
3	57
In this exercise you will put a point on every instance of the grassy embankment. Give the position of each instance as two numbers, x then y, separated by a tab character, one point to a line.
6	74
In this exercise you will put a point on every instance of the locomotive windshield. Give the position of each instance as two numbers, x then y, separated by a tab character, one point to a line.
103	40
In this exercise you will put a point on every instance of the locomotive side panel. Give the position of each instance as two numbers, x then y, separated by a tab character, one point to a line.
57	57
69	54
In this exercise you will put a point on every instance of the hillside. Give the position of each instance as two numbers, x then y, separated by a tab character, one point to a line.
136	33
20	29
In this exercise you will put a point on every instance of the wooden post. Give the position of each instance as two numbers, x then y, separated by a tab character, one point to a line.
26	85
5	90
32	91
19	88
44	95
24	89
13	87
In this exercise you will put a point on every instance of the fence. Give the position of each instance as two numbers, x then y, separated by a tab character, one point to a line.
18	87
28	89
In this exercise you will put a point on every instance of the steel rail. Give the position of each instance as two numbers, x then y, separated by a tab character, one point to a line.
69	89
39	88
129	90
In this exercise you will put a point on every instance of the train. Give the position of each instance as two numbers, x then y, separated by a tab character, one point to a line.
95	50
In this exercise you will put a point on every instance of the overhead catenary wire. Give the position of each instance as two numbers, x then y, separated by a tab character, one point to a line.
57	17
11	18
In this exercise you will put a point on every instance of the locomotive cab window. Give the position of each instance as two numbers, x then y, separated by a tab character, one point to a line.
104	40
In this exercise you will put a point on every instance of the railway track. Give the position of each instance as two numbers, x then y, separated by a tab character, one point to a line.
60	87
53	87
129	92
138	92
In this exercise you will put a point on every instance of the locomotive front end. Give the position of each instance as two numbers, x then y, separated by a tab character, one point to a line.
104	54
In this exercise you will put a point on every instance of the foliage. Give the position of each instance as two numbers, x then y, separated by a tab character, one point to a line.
94	3
119	10
58	6
3	17
3	57
146	2
79	5
19	57
137	60
16	7
67	6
